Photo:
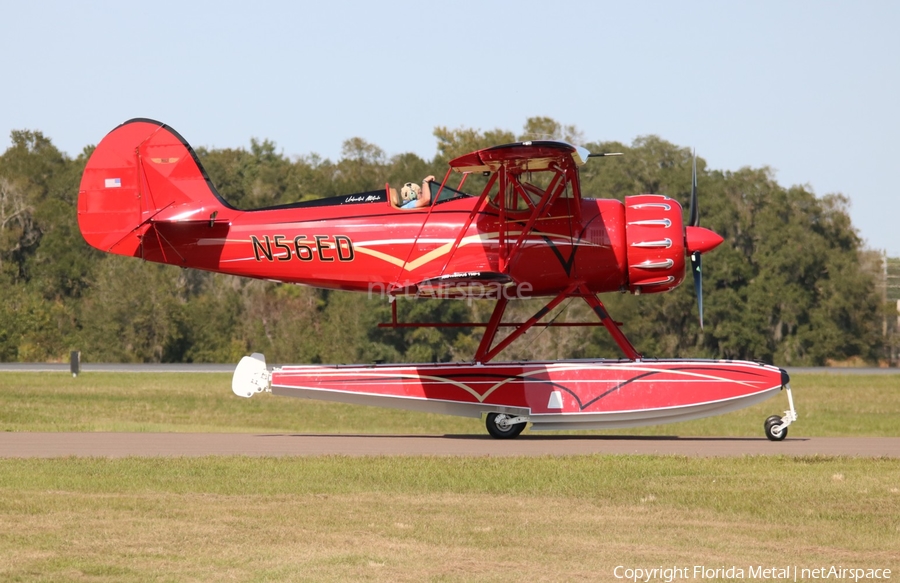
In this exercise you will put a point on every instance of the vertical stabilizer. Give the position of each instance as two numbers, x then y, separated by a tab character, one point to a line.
142	172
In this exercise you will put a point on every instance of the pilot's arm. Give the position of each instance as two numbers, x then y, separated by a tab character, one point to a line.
425	194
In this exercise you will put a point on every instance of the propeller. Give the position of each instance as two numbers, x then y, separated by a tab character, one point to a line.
698	241
695	210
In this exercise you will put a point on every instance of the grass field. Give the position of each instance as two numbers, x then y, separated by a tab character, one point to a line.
573	518
438	519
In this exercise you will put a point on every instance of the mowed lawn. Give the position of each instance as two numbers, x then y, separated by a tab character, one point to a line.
438	519
406	518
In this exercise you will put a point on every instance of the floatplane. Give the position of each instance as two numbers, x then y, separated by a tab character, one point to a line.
529	233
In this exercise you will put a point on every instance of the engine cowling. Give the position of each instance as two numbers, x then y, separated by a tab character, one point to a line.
654	237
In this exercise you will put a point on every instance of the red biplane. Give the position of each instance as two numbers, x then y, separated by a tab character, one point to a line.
530	233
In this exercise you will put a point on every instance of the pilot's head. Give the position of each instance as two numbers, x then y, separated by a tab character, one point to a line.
410	191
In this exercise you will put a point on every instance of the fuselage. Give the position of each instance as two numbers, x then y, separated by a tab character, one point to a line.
375	247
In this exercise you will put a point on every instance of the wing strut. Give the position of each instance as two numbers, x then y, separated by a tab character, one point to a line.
502	199
475	210
611	325
400	284
549	196
485	352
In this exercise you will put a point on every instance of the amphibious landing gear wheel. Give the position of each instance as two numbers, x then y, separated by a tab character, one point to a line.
773	430
499	427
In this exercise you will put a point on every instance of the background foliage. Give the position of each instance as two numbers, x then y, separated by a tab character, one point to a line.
792	283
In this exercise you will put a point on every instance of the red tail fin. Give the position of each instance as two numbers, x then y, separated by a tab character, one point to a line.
142	172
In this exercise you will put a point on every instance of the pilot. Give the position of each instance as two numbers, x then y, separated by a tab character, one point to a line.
412	196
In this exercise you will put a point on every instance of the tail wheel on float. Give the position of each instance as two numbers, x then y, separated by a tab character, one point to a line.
774	429
500	427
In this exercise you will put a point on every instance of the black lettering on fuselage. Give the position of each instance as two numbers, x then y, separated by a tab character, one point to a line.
322	247
344	248
304	251
280	244
257	247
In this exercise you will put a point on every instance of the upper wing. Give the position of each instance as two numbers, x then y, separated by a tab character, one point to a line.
532	156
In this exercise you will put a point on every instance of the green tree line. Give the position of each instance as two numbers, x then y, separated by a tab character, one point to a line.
790	284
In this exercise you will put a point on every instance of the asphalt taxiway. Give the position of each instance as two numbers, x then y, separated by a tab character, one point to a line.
116	445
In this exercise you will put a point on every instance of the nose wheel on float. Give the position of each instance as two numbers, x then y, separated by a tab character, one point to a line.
776	427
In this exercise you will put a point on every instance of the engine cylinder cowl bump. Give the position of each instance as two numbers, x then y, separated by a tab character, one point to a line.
654	238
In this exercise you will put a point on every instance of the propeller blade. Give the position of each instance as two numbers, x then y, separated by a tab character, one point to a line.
698	282
694	221
697	240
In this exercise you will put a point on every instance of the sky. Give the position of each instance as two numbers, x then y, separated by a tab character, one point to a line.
810	89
